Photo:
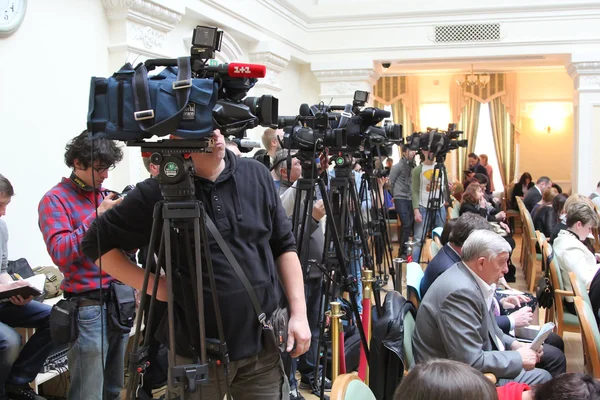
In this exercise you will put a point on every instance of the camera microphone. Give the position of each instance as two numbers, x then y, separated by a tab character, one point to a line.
246	145
305	110
240	70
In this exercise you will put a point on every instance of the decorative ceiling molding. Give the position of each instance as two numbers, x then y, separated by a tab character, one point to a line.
347	75
401	17
143	11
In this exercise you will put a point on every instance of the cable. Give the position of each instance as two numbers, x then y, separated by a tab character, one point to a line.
102	313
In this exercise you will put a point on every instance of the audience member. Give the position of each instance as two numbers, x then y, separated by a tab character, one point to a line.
543	215
456	320
595	196
559	216
475	164
445	237
534	195
511	311
19	365
445	380
571	254
483	158
457	190
520	189
568	387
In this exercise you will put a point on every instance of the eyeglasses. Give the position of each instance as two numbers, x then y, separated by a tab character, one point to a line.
102	169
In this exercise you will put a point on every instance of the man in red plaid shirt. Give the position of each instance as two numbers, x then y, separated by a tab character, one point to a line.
65	213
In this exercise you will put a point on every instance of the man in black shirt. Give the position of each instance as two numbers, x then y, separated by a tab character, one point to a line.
239	196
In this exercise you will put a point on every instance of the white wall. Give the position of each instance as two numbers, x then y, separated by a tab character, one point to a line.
45	70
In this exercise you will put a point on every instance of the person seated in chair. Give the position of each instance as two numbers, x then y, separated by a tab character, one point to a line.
19	366
571	254
520	190
456	320
543	216
534	195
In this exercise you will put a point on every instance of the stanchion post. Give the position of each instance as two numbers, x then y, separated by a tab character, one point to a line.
335	314
363	369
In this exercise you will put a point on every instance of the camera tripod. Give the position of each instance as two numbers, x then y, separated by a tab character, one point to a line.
335	271
381	240
179	211
438	197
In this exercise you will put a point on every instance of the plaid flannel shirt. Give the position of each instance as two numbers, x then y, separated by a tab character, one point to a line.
65	214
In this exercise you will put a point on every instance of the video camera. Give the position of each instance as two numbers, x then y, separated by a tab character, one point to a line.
321	126
437	142
189	98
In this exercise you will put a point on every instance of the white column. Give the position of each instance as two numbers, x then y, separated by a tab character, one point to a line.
339	81
137	32
585	71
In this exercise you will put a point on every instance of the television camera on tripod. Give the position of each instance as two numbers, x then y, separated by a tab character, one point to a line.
213	209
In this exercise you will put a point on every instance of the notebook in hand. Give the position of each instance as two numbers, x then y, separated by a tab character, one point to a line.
33	286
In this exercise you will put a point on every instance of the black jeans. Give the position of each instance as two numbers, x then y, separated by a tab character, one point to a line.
18	367
404	209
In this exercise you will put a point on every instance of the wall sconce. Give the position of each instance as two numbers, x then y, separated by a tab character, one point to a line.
549	116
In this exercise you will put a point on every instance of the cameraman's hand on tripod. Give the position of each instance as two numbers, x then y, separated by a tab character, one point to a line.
418	216
161	292
298	335
108	203
318	211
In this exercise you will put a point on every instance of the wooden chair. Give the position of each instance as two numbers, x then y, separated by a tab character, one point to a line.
579	288
512	215
590	337
414	275
350	387
564	320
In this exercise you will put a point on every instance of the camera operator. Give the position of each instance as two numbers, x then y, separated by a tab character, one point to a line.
421	192
19	367
313	276
65	214
239	196
270	140
400	185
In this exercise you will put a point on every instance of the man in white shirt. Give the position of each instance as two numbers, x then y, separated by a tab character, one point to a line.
456	318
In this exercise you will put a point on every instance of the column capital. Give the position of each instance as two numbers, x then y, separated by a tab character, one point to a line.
275	64
139	27
586	75
340	84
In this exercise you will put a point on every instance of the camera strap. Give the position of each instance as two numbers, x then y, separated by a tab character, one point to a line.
144	114
262	317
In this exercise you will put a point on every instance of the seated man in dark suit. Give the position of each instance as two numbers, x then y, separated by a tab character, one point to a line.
534	195
456	319
450	253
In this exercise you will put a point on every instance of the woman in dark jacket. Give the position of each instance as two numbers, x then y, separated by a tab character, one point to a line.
543	216
473	201
525	183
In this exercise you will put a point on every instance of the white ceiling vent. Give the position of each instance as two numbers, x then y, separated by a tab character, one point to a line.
467	33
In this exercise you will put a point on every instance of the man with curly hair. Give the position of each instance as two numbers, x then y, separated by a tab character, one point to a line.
65	213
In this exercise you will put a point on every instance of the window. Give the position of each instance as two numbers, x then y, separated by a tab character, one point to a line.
484	144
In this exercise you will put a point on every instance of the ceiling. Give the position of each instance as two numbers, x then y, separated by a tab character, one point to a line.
481	64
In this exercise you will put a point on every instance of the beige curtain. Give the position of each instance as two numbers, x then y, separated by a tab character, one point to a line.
411	101
469	123
504	140
400	115
457	100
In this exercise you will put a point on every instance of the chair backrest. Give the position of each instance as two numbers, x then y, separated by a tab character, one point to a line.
409	328
435	248
541	238
590	337
454	211
553	269
350	387
414	275
579	288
